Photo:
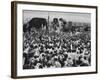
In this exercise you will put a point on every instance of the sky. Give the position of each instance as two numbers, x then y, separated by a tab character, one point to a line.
68	16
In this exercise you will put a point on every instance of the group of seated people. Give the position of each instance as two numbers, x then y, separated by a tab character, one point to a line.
55	51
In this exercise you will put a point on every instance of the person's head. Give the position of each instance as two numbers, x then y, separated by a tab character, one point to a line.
24	54
85	58
35	56
31	60
55	59
40	66
48	65
55	20
31	46
60	19
66	55
35	46
43	55
80	57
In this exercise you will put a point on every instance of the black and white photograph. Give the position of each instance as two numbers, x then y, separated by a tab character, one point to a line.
53	39
56	39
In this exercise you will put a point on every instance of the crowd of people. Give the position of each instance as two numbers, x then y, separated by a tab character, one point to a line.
55	50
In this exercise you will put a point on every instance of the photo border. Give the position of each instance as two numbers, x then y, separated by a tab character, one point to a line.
14	37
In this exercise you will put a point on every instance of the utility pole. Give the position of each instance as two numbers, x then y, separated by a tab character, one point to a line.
48	26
